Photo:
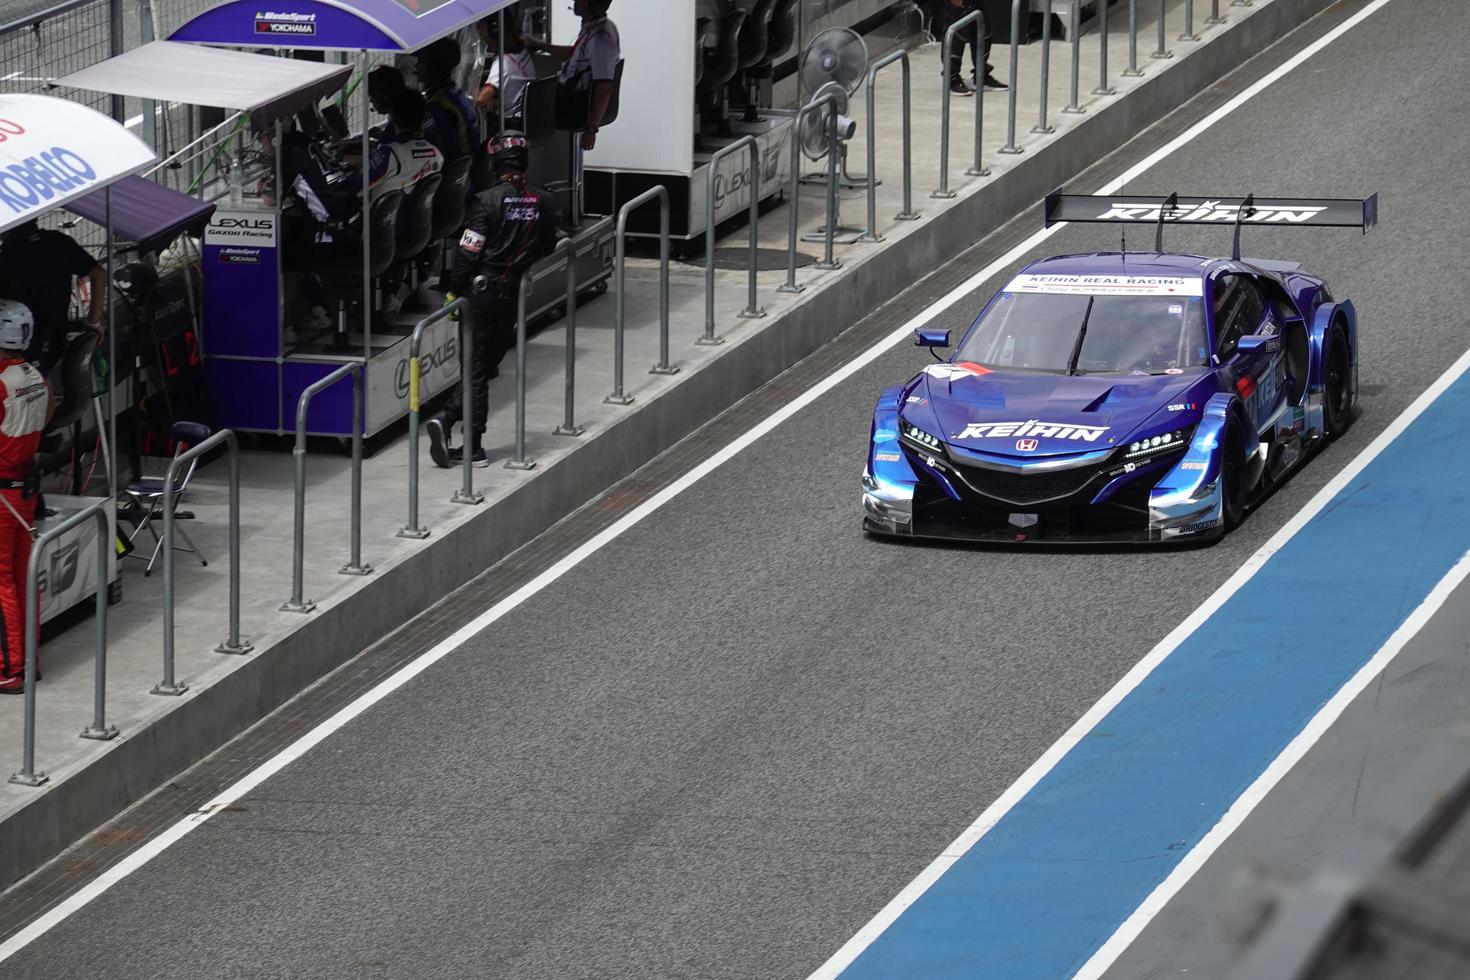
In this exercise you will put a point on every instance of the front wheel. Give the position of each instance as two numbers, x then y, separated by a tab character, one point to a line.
1337	377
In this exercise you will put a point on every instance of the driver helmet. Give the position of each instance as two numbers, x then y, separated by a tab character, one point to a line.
17	325
509	151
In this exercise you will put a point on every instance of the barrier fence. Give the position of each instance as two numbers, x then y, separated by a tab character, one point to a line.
563	260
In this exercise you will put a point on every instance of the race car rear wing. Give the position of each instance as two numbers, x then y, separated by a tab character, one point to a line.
1274	211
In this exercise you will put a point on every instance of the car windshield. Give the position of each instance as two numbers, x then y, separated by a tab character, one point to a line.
1079	333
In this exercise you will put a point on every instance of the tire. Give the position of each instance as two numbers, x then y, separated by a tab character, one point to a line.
1232	477
1337	377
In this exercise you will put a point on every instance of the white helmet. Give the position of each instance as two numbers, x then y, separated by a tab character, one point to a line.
17	325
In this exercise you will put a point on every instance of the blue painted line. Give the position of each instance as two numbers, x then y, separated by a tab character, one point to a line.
1047	886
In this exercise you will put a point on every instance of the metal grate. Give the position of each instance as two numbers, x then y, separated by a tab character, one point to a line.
1026	488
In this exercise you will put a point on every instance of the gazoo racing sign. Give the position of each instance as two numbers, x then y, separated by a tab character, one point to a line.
53	151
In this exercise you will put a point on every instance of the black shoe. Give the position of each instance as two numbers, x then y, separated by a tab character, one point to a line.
438	442
993	84
479	459
958	87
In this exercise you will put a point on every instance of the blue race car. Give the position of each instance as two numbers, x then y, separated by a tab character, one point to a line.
1122	396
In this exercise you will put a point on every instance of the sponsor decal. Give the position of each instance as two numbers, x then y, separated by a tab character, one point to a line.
956	371
1199	526
1122	470
1026	445
240	256
1176	309
1108	285
887	457
241	228
1173	370
442	356
1209	211
424	152
1190	464
1033	428
1182	407
472	242
36	179
916	400
293	24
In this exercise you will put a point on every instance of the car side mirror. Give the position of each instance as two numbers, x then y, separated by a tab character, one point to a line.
1256	343
927	337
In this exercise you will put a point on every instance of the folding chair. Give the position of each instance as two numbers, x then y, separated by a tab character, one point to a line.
147	495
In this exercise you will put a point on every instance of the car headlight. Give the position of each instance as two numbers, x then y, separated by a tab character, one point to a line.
921	439
1157	445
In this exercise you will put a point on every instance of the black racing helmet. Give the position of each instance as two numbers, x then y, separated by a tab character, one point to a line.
510	152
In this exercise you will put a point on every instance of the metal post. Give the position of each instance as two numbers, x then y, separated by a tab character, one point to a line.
908	213
1214	20
1042	126
466	494
619	299
1011	146
99	729
415	343
830	100
569	427
112	483
976	19
297	603
1163	51
1075	106
751	311
1132	71
115	47
829	261
146	33
663	366
1189	34
1242	3
1103	88
500	54
367	217
232	644
523	295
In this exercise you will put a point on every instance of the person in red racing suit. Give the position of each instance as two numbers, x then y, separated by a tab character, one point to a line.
507	228
26	406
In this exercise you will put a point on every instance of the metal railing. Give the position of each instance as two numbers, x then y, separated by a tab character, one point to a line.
1132	71
1042	127
232	644
298	603
99	729
751	311
620	288
1215	19
828	101
908	213
1016	22
1189	34
976	19
415	372
1163	49
569	426
1103	88
523	299
1074	30
466	494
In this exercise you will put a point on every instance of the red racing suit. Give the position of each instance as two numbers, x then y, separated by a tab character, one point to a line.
24	401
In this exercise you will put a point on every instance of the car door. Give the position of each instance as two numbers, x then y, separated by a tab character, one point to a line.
1258	375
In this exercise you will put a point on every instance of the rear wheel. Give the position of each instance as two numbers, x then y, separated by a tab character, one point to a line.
1232	476
1337	376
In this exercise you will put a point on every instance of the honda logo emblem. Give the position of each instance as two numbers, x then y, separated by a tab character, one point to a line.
1026	445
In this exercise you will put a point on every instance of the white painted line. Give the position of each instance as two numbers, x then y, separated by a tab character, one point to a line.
1013	794
408	672
1279	767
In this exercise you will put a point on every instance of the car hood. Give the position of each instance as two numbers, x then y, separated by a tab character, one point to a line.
1028	415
